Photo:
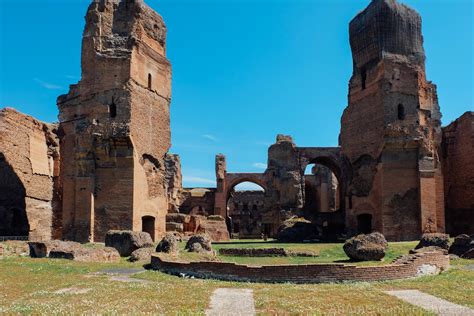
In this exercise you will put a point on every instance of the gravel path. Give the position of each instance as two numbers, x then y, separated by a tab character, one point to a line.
226	302
432	303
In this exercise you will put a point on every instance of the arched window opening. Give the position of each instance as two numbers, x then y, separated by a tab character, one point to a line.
149	81
322	190
363	75
401	112
112	109
244	210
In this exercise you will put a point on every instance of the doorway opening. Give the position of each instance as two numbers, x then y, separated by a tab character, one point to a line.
148	226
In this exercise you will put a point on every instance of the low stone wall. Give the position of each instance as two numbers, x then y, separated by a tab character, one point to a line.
405	267
264	252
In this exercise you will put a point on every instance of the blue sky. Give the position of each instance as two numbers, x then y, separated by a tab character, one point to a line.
243	71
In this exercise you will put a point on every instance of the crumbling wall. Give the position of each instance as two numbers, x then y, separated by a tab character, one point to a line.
458	169
284	177
174	181
115	124
391	129
29	159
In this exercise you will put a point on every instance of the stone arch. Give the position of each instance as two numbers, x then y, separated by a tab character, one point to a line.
247	220
332	158
233	182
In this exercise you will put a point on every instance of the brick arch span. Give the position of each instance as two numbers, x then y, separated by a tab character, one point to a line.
332	158
234	179
227	185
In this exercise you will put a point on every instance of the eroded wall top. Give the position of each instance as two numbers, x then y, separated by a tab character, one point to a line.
386	27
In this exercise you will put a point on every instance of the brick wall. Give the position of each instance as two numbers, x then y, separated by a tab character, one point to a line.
458	169
404	267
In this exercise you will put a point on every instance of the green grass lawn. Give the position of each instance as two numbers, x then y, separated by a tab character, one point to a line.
28	286
328	253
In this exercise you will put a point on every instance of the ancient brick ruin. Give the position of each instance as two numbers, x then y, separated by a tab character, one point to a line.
391	130
29	168
458	167
115	125
107	167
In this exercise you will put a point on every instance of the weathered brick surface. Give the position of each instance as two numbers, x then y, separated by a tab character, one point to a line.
405	267
115	126
458	168
391	128
29	159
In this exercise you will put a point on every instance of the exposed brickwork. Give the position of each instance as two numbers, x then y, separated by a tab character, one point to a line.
115	126
29	161
393	120
405	267
458	168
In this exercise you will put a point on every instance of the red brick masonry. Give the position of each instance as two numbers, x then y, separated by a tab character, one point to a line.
404	267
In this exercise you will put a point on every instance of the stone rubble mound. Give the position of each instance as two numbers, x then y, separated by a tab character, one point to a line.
199	243
169	244
127	241
370	247
73	251
434	239
141	255
429	249
463	246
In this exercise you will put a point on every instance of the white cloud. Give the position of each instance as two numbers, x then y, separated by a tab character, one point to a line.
260	165
248	186
47	85
198	180
210	137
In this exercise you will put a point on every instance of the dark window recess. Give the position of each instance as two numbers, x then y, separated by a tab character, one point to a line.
112	109
364	223
363	77
149	81
401	112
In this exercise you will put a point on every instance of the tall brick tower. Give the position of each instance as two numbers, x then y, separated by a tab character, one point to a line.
115	124
391	129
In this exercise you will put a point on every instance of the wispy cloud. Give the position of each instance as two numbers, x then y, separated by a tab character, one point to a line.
47	85
210	137
198	180
260	165
72	77
248	186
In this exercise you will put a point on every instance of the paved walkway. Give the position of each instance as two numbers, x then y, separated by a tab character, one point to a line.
432	303
124	275
230	302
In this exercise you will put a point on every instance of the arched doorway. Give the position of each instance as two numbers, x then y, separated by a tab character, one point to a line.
148	226
245	203
322	190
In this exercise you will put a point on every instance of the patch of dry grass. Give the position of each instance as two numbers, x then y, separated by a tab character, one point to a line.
28	286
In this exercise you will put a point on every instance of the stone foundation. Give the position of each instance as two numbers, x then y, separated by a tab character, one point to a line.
409	266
